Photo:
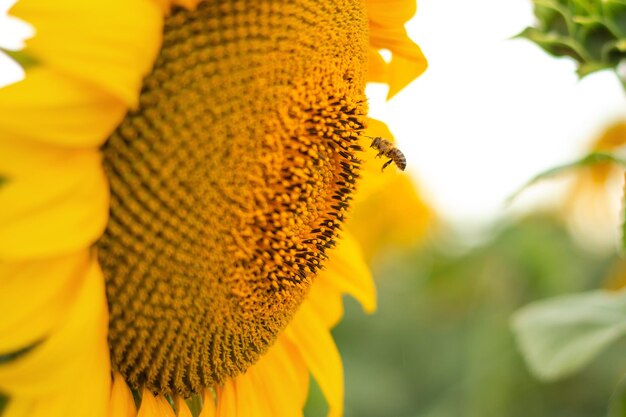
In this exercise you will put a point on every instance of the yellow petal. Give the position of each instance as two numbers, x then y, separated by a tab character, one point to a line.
122	402
376	223
227	400
154	406
407	63
387	19
280	372
250	399
242	397
377	69
111	44
45	407
314	342
390	12
58	207
182	410
208	404
69	372
67	112
35	297
326	299
18	407
299	370
347	271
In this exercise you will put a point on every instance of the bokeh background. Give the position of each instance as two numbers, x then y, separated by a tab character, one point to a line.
490	113
440	343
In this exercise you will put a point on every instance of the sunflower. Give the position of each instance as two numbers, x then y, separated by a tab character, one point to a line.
174	178
592	204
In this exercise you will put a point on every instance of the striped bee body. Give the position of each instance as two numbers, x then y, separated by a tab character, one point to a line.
387	149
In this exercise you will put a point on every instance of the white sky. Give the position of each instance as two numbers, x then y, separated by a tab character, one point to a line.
489	113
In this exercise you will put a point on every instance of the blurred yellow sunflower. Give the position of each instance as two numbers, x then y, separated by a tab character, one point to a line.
174	178
592	204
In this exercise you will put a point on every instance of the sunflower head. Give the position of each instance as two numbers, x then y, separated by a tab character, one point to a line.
204	213
229	183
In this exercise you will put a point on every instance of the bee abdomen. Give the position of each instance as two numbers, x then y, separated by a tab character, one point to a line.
400	160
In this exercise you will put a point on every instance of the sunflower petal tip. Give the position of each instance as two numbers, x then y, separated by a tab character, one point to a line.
403	71
370	307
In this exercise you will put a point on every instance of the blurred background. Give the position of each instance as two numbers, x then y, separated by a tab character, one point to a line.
452	267
451	259
440	344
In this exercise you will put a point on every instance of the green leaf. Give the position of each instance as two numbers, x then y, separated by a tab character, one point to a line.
615	11
589	31
617	403
587	68
554	44
559	336
590	159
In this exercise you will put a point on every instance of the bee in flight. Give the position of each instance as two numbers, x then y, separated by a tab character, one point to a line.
386	148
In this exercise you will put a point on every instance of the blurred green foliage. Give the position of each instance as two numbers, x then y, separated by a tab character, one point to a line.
593	32
440	344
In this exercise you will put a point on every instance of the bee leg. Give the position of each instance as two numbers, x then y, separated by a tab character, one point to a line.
386	165
379	154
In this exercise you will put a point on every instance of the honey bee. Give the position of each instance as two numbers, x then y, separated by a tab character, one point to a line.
386	148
